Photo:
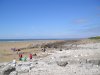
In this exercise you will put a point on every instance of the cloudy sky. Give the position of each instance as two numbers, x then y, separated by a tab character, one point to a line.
40	19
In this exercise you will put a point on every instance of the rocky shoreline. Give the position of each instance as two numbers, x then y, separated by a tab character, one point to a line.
83	60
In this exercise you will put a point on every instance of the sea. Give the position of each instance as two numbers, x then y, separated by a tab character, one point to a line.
23	40
15	40
20	40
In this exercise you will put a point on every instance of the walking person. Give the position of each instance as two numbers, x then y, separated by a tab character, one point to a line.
30	56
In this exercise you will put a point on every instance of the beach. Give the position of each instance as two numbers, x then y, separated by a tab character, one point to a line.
7	54
62	57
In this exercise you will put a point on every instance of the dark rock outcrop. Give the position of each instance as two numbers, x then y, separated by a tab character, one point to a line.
7	70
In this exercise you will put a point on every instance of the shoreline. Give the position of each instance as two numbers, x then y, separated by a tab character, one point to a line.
77	60
36	46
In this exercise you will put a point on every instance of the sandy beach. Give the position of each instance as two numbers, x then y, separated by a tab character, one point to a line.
7	54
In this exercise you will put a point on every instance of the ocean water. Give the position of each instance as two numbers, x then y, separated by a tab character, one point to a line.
16	40
21	40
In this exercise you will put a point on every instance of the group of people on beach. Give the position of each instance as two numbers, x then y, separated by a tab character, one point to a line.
21	57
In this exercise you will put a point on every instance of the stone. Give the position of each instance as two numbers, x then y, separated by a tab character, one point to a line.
62	63
22	69
34	54
7	70
94	61
14	73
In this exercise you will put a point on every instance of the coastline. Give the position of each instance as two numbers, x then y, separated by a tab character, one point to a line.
83	57
5	47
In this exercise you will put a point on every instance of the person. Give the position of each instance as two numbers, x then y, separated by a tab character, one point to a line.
14	62
20	56
30	56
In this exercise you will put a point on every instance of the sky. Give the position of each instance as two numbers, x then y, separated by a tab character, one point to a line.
42	19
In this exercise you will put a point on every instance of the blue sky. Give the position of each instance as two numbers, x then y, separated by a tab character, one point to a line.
49	18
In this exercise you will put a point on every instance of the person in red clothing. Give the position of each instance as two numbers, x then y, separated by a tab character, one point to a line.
20	56
30	56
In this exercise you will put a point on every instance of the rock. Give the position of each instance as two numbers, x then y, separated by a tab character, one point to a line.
73	61
94	61
7	70
62	63
34	54
77	61
1	66
22	69
43	49
14	73
60	50
83	61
